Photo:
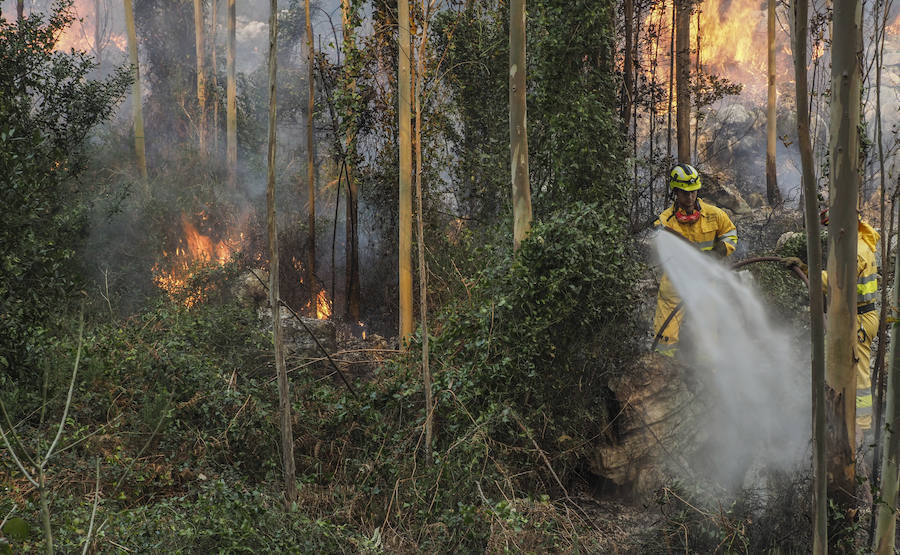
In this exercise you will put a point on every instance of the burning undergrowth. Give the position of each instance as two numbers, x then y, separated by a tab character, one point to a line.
197	245
213	239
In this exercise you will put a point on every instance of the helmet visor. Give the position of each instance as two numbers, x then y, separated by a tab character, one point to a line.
690	184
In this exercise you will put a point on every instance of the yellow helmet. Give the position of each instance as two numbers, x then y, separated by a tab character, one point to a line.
684	177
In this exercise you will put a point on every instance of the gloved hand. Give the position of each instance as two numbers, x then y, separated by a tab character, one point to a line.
792	261
720	250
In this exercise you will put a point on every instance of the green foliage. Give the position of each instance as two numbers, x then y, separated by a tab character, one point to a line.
575	143
48	106
575	147
785	293
218	517
542	332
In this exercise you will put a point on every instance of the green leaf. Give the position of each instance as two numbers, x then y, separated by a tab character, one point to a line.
16	529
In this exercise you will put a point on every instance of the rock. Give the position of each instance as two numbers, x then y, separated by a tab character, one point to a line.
657	428
735	114
724	195
252	293
785	237
756	200
297	339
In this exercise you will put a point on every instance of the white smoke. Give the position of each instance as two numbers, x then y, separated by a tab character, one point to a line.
749	369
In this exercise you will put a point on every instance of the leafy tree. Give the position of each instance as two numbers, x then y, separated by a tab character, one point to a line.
574	142
48	106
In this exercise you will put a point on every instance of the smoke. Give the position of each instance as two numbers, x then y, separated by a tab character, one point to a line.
748	370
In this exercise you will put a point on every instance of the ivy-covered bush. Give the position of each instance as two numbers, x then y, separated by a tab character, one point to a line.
545	328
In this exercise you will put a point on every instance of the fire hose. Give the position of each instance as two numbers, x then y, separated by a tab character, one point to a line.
737	265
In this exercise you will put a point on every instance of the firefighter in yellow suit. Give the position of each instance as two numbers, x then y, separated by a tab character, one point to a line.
866	317
701	223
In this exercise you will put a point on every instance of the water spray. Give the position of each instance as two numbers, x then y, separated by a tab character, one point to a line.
736	266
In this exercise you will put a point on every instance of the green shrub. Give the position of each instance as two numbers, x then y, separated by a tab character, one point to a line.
545	329
47	108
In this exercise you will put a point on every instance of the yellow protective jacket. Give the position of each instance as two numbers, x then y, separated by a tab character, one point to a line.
713	226
866	265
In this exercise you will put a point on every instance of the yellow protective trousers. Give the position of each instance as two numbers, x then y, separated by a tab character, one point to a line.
862	355
666	301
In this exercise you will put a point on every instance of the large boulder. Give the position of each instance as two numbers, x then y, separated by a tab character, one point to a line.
298	336
250	290
718	190
657	428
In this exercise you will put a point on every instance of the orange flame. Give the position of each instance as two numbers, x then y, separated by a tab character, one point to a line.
201	250
79	35
733	38
323	307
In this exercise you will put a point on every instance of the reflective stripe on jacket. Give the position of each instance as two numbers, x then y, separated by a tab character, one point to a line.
866	265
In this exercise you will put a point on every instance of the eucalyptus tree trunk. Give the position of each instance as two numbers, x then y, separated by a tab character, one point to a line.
98	33
231	98
697	114
683	79
628	66
136	95
407	320
284	392
20	8
671	78
842	265
890	461
814	259
518	124
200	43
213	28
420	238
351	220
773	195
878	381
310	153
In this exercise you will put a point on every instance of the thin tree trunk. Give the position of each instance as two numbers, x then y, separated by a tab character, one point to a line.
200	34
683	81
136	96
890	459
98	34
213	28
654	113
45	512
20	9
878	377
310	154
518	123
814	258
284	392
231	98
628	67
633	132
773	195
420	240
842	265
352	205
671	79
407	320
696	137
